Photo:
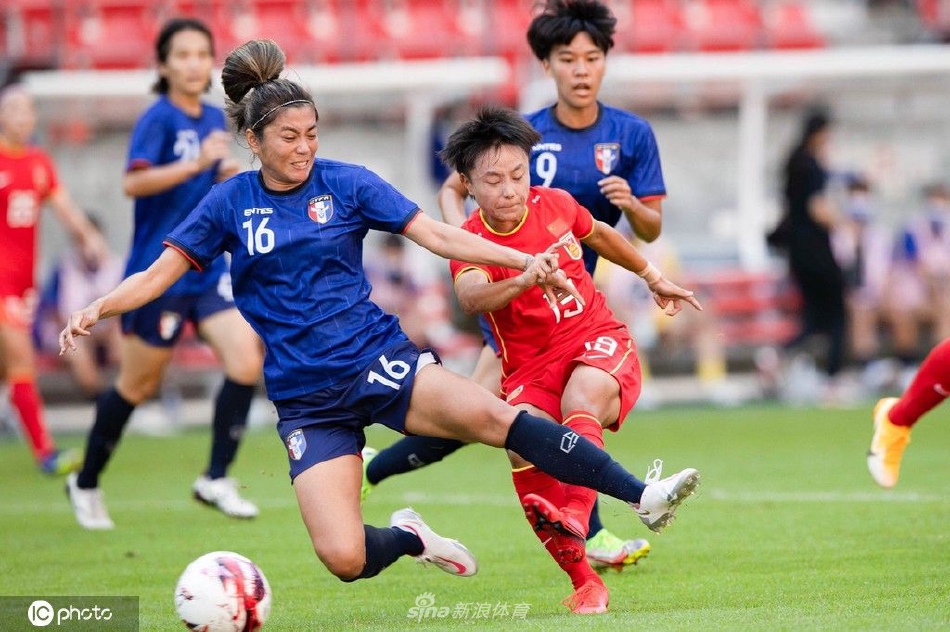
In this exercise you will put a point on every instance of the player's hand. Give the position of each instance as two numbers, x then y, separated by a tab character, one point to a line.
215	146
617	191
670	297
558	286
94	250
79	324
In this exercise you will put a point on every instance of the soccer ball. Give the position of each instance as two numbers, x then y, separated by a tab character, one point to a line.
222	592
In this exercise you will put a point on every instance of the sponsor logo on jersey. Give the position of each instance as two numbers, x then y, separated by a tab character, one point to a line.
296	444
320	208
606	156
168	325
571	245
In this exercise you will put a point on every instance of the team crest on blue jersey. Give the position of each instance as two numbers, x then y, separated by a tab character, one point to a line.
168	324
296	444
606	156
320	208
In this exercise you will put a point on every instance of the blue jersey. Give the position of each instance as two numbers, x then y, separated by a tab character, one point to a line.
617	144
297	269
162	135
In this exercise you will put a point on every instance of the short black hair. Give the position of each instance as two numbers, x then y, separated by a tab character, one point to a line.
561	20
491	128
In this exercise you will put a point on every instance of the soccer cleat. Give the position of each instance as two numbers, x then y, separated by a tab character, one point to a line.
566	530
887	445
61	462
591	598
88	505
605	550
449	555
368	455
661	497
222	493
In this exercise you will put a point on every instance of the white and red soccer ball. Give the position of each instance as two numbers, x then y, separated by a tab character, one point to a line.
223	592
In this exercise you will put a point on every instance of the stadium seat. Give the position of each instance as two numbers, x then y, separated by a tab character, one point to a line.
34	32
656	27
723	25
509	23
788	25
108	34
405	29
308	32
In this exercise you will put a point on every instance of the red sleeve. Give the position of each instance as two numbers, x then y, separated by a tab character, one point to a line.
52	181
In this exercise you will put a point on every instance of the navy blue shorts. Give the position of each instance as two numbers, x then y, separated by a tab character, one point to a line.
487	335
329	424
159	323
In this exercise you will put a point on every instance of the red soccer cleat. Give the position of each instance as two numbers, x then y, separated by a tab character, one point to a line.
590	598
566	530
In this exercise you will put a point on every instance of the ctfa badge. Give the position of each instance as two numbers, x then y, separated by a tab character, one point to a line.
296	444
606	156
320	208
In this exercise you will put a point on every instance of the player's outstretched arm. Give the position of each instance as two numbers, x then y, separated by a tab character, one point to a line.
614	247
646	218
452	200
133	292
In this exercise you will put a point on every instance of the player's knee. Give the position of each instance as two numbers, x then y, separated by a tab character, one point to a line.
345	562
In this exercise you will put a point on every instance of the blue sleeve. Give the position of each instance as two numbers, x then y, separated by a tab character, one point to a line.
647	177
382	206
147	141
201	237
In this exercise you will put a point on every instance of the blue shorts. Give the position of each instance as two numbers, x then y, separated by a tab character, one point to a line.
329	423
159	323
487	335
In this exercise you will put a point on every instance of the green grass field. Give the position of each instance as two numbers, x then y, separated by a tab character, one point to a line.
787	532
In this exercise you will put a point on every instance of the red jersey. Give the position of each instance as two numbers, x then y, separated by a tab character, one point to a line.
528	327
27	178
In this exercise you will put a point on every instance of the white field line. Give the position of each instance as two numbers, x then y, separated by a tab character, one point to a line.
496	500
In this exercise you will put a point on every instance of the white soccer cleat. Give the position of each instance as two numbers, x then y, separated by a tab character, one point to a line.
449	555
88	505
661	497
222	493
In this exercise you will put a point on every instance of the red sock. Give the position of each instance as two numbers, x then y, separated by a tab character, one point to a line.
929	387
580	500
533	481
27	402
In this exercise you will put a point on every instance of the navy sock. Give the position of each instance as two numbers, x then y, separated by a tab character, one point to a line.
570	458
385	546
595	524
409	453
112	414
230	419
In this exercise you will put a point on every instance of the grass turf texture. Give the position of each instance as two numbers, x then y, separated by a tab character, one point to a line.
787	532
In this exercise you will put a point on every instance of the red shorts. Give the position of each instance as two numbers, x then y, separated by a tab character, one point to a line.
541	383
18	310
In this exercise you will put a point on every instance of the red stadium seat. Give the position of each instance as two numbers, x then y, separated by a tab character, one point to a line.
405	29
509	24
308	32
112	33
789	26
34	32
723	25
656	27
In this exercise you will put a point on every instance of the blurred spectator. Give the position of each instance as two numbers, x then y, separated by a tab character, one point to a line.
632	303
810	216
862	247
74	283
406	288
919	289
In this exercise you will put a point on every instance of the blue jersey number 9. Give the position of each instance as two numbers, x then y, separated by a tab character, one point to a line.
546	166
